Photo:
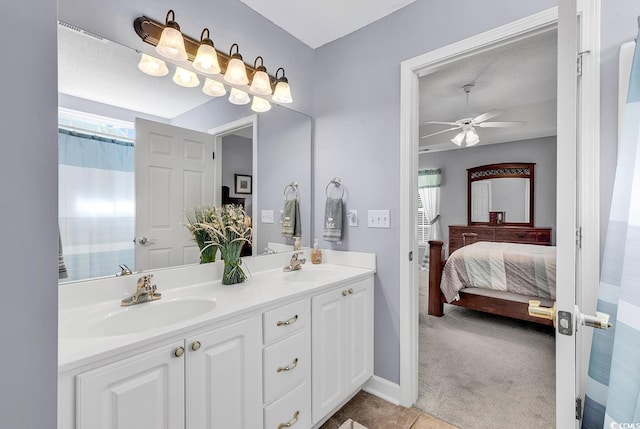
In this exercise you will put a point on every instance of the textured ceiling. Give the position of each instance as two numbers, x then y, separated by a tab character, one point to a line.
519	78
317	22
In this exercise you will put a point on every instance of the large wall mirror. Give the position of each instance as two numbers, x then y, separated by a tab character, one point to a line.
501	194
271	149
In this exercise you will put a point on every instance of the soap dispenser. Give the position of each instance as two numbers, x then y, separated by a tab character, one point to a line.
316	253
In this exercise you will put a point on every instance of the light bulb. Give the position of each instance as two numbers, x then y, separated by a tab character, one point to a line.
186	78
152	66
238	97
213	88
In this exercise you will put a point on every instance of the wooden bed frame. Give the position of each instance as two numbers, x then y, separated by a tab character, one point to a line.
488	304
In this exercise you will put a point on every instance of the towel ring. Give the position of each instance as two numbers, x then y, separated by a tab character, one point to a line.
294	187
337	183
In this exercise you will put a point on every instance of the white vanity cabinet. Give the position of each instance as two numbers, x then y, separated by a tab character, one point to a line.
213	379
342	344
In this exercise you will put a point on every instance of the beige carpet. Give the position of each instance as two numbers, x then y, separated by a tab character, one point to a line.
481	371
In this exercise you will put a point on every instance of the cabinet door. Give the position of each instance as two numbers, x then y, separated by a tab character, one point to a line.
359	323
224	377
145	391
328	352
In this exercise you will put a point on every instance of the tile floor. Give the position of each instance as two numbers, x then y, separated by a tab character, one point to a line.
376	413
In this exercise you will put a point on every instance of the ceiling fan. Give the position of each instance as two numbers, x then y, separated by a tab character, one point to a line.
467	125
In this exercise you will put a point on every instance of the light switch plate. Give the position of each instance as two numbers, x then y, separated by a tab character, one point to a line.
352	215
267	216
378	219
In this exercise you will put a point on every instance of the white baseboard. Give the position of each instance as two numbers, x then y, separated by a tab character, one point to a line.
383	389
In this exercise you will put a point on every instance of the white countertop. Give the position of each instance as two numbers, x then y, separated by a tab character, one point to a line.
81	303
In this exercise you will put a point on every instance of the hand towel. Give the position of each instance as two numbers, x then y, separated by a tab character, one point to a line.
291	226
333	219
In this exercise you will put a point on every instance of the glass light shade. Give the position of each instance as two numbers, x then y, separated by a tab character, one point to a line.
472	138
236	73
213	88
206	60
152	66
186	78
282	93
171	45
238	97
260	104
458	138
260	83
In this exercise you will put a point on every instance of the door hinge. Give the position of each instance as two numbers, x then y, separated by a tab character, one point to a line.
579	237
578	409
213	155
411	256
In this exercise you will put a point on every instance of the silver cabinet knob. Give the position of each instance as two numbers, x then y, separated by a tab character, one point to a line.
179	351
345	293
350	291
195	346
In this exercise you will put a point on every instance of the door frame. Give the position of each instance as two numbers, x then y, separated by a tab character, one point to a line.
429	62
221	131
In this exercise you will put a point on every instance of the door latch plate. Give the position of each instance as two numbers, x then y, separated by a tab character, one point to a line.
565	323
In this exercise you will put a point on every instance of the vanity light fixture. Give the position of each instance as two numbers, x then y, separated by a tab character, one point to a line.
206	60
238	97
153	66
171	44
213	88
230	71
260	83
236	72
186	78
282	93
260	105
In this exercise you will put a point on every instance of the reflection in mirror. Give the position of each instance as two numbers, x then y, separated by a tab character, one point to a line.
98	230
501	194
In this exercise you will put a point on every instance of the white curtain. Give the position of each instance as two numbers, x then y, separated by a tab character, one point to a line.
429	192
613	386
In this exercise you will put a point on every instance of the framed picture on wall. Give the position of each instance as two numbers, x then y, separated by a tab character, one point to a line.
496	218
243	184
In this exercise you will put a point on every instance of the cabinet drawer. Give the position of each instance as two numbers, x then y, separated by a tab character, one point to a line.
286	364
544	237
294	409
484	234
516	236
284	320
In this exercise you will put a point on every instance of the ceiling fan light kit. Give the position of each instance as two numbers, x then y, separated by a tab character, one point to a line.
466	126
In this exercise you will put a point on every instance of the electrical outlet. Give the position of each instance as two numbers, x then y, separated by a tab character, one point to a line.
352	215
267	216
378	219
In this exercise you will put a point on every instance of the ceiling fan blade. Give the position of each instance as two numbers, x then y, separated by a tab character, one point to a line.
487	115
440	132
439	123
512	124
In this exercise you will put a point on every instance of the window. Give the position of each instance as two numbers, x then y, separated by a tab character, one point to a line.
423	224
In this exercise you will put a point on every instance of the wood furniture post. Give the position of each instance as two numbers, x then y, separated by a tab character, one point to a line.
435	307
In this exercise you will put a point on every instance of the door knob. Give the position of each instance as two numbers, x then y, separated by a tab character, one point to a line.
143	240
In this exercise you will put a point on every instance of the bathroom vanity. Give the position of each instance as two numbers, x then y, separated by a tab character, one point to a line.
284	349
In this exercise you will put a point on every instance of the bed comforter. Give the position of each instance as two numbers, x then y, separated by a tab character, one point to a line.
524	269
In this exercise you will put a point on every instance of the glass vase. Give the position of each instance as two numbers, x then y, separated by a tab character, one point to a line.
233	272
208	254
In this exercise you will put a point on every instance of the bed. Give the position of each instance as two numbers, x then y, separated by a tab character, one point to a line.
494	277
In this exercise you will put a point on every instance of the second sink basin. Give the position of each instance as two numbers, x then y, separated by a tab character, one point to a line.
138	318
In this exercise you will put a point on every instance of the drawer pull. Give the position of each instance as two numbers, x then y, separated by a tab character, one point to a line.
294	319
291	422
288	367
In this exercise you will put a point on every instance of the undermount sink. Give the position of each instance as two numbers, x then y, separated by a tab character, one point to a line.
309	276
139	318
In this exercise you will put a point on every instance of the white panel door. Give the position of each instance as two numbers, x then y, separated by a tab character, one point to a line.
145	391
328	339
359	322
480	200
174	171
224	377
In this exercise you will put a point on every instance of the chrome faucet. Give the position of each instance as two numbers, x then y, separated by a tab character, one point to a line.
145	292
295	263
124	270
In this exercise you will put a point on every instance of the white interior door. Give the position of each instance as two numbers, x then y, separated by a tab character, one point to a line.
480	200
174	171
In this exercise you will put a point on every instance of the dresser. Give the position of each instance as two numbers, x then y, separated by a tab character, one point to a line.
511	234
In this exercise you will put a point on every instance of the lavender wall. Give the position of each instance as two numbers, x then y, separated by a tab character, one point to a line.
618	26
28	207
357	131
